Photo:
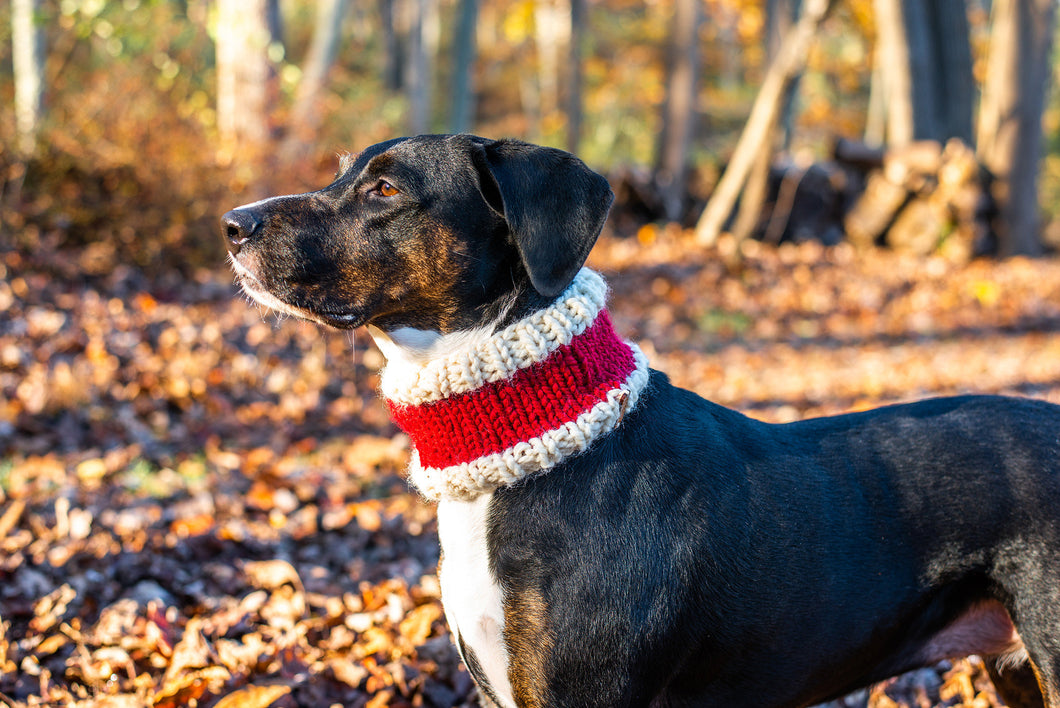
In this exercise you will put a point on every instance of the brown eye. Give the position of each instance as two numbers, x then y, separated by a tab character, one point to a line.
386	189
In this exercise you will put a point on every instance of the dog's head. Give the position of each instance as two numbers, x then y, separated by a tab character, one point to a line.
432	232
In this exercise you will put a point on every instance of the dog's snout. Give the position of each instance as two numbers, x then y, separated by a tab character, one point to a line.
237	226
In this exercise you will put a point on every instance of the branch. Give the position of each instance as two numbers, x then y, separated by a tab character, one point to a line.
790	61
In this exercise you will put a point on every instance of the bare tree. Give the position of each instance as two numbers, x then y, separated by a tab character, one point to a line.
679	110
922	75
954	80
789	63
422	49
393	42
780	16
306	112
576	72
327	31
274	21
244	75
464	67
551	37
28	63
1010	116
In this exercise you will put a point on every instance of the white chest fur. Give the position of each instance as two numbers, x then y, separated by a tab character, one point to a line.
470	594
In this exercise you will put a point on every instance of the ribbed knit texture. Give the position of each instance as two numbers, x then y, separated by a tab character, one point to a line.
490	417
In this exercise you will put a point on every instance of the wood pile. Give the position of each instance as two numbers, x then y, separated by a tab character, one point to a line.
922	198
926	197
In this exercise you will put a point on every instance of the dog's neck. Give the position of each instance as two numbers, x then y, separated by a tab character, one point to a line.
488	408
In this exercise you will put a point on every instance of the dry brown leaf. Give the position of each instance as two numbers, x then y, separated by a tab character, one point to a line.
51	644
380	699
375	640
51	608
271	574
192	686
285	607
416	626
958	686
261	496
368	515
253	697
195	525
191	652
244	656
349	672
10	517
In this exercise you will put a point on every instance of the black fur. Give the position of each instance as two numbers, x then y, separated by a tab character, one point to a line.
552	231
781	565
694	557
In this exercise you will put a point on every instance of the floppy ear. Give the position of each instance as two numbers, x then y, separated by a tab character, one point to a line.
555	207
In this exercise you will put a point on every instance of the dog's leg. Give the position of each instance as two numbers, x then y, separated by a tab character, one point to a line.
1017	685
1042	641
1037	621
1046	667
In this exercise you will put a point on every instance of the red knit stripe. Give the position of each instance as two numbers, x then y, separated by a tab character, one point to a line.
534	400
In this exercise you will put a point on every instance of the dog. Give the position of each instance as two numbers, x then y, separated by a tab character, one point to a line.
609	539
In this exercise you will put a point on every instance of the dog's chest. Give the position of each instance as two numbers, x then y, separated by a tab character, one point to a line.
471	596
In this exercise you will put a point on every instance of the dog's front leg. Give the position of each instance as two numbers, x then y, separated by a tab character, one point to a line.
472	597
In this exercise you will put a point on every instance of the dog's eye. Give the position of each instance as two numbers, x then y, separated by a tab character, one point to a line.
386	189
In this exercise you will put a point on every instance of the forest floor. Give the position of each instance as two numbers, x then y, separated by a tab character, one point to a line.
202	504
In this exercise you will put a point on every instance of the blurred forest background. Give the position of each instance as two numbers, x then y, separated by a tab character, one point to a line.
822	205
179	108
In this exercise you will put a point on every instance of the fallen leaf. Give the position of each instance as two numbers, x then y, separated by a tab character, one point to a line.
253	697
271	574
10	517
192	686
416	626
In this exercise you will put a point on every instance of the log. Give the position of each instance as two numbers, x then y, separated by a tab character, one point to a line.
874	211
920	227
915	165
857	155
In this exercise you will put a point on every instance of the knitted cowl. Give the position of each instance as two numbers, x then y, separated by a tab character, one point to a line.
522	401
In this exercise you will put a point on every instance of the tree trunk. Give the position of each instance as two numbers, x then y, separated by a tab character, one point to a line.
464	68
243	77
393	65
423	43
28	63
876	118
551	36
789	62
274	20
955	87
922	77
306	112
1010	117
780	16
680	107
578	21
892	57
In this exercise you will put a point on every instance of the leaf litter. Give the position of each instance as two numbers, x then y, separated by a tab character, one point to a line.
201	505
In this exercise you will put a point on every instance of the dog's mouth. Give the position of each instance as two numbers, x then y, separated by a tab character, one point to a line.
258	292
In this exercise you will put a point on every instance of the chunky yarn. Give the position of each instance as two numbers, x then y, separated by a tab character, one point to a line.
525	399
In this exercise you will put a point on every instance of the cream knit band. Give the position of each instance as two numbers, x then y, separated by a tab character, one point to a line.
515	347
494	362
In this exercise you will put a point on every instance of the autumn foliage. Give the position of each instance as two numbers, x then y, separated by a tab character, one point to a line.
202	504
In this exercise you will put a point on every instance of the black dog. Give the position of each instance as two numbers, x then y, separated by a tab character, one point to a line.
611	540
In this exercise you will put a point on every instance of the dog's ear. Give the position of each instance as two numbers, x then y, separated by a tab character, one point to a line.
555	207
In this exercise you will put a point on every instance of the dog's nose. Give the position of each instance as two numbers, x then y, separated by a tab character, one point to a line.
237	226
